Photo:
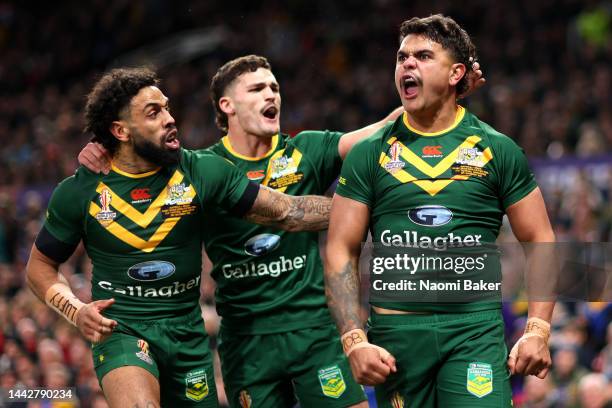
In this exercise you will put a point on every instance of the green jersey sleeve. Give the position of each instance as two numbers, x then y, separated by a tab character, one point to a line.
357	174
322	148
515	178
219	182
65	212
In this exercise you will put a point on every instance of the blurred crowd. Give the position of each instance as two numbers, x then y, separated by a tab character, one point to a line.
548	65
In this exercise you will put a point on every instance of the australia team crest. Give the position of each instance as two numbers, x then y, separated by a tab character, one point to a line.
332	382
479	379
196	385
471	156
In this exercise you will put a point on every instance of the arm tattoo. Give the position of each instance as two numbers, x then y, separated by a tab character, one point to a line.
291	213
342	291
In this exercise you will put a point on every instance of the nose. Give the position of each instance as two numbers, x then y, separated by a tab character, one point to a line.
410	61
269	93
168	118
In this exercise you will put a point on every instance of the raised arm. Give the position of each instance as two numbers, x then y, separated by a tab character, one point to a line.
290	213
530	224
348	225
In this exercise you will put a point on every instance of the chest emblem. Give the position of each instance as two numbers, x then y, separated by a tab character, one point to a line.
283	169
173	202
105	216
435	179
395	163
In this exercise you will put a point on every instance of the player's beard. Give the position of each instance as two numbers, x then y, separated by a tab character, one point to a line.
155	154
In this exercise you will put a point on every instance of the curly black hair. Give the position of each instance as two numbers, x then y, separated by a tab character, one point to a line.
111	95
446	32
226	75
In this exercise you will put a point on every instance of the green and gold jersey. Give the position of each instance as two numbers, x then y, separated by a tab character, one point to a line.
270	280
436	190
143	232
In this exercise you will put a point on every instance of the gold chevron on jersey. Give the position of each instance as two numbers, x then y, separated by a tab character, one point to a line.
432	187
175	191
282	170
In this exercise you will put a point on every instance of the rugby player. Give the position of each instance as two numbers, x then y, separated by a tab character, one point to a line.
142	226
436	175
270	283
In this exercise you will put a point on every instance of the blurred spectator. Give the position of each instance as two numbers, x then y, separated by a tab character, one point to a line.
594	391
566	375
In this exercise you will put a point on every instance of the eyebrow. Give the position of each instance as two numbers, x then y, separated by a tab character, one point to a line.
154	104
417	52
262	84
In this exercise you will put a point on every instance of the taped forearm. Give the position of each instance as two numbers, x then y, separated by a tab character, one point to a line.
537	327
61	299
356	339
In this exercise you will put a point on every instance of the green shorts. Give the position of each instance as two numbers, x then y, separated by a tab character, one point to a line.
447	360
270	370
174	350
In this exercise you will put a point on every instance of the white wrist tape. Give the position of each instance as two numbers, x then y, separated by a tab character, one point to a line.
60	298
535	327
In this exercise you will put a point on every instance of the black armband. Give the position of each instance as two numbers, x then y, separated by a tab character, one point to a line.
246	201
52	247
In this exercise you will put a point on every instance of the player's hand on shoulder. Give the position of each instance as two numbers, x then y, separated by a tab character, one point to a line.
95	157
90	322
371	365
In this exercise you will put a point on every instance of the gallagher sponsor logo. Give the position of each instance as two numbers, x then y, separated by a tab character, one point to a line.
261	244
151	270
430	215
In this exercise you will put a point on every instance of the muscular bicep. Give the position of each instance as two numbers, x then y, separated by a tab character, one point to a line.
529	219
348	224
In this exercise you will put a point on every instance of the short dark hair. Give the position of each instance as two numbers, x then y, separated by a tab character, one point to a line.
109	97
226	75
446	32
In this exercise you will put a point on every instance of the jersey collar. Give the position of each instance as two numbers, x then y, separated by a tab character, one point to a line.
458	118
228	146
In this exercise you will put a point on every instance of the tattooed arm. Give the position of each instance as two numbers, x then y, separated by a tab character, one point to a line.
44	279
347	229
290	213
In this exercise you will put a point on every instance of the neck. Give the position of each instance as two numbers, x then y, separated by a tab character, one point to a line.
248	144
128	161
434	118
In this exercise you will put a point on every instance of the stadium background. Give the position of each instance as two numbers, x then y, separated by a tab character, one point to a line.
549	75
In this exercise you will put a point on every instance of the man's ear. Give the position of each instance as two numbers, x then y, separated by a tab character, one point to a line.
457	72
120	130
227	105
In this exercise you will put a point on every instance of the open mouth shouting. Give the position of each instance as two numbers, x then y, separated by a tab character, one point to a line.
270	112
410	86
171	141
